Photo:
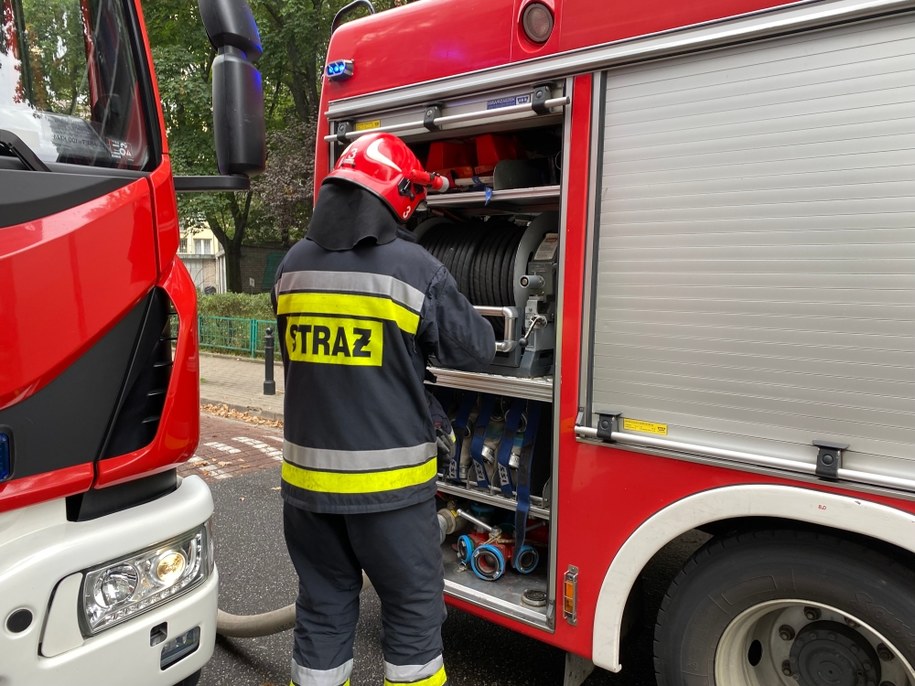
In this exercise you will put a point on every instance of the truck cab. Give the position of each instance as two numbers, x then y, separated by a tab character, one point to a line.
106	564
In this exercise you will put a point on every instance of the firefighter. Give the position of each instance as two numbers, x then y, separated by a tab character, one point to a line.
361	308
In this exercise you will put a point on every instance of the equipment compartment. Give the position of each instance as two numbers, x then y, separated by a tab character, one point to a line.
502	448
485	564
498	233
494	162
494	501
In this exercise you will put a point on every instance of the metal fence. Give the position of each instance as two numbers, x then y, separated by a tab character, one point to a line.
233	335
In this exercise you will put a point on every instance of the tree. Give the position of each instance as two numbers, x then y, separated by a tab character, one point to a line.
183	58
294	35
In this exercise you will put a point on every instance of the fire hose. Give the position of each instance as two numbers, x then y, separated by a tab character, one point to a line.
254	626
267	623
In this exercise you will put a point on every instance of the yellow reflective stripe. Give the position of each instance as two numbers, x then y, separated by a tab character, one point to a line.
358	482
437	679
349	305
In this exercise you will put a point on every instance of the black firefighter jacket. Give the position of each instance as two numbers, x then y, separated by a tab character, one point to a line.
361	308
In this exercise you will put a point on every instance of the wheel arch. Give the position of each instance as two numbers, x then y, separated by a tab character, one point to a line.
727	506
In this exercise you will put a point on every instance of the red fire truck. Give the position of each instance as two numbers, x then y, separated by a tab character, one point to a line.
106	564
693	228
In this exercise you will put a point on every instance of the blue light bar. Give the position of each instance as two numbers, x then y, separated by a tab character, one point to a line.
6	457
339	70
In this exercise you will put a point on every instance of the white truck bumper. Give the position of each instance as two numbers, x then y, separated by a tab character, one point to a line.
42	557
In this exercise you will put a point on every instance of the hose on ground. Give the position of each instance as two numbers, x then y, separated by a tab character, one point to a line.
254	626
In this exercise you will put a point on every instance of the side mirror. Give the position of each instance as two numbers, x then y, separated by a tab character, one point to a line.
238	91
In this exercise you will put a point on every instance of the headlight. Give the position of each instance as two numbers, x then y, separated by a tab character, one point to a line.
125	588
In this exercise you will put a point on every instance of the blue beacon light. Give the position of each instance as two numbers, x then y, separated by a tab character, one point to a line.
6	456
339	70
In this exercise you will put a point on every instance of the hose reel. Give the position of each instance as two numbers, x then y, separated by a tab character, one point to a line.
492	262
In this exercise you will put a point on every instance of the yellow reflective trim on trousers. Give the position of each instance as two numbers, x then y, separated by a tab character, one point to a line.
358	482
349	305
437	679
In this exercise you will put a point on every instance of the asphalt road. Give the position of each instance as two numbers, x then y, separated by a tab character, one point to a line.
256	576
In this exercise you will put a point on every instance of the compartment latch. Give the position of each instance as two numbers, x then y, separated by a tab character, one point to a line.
607	424
539	98
829	459
430	114
343	130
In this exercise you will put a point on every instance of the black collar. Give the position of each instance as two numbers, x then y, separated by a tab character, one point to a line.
346	215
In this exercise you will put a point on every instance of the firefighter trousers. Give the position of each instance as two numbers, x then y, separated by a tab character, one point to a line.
399	552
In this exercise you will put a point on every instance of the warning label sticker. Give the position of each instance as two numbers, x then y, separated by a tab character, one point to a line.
508	101
645	427
547	249
367	125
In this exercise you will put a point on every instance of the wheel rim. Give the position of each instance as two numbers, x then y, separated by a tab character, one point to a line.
803	643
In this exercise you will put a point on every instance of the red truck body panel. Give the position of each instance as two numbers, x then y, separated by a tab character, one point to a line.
604	493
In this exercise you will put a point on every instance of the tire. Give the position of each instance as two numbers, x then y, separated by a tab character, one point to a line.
787	608
191	680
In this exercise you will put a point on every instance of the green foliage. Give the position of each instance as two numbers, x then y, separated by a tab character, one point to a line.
244	305
294	34
58	57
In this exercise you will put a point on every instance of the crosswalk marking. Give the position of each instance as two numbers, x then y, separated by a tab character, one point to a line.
260	445
222	447
235	455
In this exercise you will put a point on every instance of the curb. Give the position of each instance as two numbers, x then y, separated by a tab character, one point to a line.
245	409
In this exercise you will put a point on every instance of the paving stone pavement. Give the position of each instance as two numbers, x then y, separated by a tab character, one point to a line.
240	426
238	383
230	447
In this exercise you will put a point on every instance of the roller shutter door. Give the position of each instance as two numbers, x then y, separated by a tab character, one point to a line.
755	259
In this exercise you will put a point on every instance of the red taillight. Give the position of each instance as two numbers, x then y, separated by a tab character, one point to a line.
537	22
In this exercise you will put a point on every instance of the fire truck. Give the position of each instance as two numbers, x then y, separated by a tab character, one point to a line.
106	561
692	226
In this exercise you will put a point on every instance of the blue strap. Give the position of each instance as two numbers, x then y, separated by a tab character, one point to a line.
479	434
512	422
459	425
524	474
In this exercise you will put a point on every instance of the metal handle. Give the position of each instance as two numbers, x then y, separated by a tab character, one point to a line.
537	321
510	315
743	458
452	119
473	520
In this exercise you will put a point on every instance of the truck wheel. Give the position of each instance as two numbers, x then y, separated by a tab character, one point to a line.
787	608
191	680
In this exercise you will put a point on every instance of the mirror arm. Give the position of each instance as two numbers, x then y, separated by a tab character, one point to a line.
212	184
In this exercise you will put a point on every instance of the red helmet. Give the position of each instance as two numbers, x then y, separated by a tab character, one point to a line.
384	165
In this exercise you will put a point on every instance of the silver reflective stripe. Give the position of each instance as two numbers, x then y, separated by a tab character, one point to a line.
409	673
353	282
357	460
304	676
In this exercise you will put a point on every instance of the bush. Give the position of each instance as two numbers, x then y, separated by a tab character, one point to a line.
245	305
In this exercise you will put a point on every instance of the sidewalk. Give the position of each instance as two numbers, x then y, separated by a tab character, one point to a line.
238	382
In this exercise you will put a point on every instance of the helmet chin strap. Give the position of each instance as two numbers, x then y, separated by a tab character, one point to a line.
405	188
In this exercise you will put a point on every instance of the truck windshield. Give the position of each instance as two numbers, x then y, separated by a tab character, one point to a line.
69	85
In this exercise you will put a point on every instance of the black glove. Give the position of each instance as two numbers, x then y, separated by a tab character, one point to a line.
445	443
444	434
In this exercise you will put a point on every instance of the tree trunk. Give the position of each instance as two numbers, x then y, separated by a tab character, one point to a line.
233	267
232	244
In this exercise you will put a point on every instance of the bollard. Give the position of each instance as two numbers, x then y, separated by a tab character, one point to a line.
269	383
